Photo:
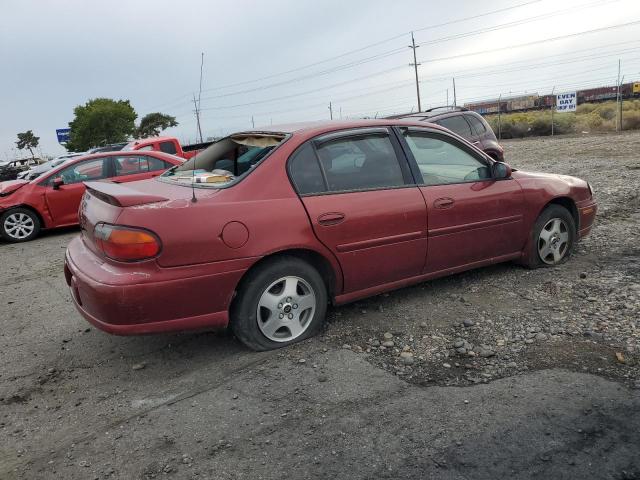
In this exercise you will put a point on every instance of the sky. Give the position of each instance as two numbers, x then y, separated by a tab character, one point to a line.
285	60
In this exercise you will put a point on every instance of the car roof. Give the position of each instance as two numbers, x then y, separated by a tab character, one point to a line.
327	126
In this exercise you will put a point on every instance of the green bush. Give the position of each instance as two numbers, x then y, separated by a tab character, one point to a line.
588	117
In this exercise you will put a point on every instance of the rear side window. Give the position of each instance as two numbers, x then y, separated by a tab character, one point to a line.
168	147
358	163
457	124
305	171
130	165
157	164
477	124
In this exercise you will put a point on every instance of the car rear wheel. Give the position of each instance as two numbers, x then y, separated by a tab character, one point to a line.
19	225
553	237
282	302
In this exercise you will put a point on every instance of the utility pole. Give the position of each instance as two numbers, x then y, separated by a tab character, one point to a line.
618	122
330	111
499	117
621	100
197	112
199	95
553	108
455	103
253	124
415	68
447	97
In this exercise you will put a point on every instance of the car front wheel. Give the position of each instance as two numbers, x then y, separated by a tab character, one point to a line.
281	302
553	237
19	225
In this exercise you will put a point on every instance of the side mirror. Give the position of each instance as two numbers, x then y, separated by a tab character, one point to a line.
57	182
501	170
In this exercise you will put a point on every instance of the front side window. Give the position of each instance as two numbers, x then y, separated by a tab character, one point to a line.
362	162
442	162
95	169
457	124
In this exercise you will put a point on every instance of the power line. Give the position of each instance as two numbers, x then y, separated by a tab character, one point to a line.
375	44
536	42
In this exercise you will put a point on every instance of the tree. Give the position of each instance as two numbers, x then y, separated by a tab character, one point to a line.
101	121
29	141
152	124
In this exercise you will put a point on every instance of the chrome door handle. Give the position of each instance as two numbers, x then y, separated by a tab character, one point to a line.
331	218
444	202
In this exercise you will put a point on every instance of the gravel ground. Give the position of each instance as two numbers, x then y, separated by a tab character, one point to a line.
500	372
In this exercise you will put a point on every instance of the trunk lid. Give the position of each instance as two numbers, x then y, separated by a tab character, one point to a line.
106	202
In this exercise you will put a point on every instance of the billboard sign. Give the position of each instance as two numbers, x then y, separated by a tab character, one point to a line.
566	102
63	134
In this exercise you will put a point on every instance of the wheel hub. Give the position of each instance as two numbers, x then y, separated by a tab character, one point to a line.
553	242
286	309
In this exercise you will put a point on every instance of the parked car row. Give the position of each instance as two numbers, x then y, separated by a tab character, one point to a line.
52	198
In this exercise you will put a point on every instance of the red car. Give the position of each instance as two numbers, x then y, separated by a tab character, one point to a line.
264	228
52	200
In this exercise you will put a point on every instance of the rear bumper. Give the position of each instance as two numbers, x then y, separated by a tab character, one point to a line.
145	298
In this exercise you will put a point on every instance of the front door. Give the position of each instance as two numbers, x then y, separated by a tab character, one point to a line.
472	216
363	205
63	202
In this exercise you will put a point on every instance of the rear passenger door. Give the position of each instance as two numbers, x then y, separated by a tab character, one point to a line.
363	205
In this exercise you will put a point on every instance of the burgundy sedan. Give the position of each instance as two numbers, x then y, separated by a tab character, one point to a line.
263	229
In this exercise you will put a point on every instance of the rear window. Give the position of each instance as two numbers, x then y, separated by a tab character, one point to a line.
168	147
225	161
477	124
457	124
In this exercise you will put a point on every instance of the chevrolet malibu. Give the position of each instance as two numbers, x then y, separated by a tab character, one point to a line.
263	229
52	199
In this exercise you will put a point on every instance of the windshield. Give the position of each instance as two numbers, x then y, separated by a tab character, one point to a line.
225	161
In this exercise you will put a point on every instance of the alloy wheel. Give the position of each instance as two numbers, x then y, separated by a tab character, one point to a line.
286	309
553	241
19	225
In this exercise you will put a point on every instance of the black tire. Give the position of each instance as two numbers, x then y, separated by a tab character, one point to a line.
31	224
567	224
264	279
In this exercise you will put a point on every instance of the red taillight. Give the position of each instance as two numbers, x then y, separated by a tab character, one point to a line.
126	244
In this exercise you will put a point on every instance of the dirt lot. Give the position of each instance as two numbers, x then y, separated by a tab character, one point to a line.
496	373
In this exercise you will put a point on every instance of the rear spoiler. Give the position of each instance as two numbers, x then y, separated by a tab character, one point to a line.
120	195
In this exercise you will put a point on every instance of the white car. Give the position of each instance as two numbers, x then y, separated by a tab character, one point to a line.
38	170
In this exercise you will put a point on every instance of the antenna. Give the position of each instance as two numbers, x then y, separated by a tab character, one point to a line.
194	199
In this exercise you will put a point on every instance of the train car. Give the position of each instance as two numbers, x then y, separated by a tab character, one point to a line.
525	102
635	89
483	108
546	101
597	94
